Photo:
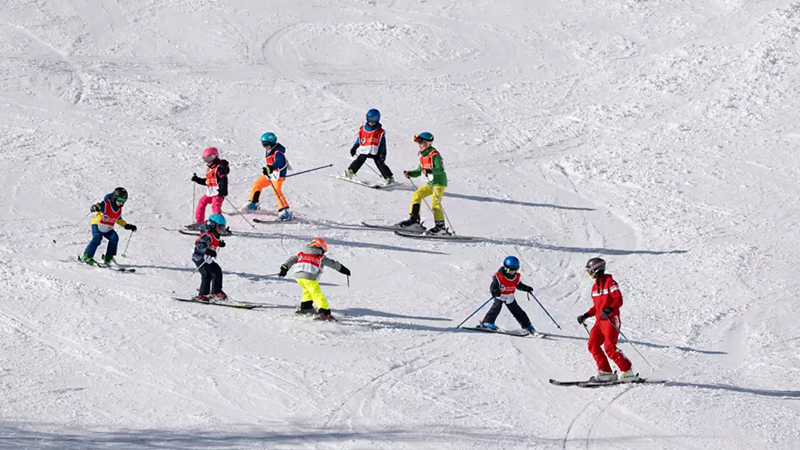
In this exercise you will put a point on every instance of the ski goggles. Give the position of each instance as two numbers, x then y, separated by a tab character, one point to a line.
267	144
120	200
420	140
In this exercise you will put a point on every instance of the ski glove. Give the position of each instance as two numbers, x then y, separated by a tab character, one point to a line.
266	171
211	253
496	293
345	271
582	318
198	180
284	271
222	243
606	312
527	289
95	208
406	174
353	150
130	226
208	259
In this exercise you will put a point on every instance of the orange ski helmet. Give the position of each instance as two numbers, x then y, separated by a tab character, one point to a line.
320	243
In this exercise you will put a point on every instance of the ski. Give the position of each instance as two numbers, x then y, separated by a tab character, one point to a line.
313	315
394	228
197	233
360	183
443	237
239	305
520	333
101	265
276	221
596	384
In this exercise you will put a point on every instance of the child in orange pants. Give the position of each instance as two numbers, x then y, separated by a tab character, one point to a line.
274	175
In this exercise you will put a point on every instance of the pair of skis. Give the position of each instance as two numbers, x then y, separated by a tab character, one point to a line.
595	384
102	265
365	184
418	233
516	333
228	303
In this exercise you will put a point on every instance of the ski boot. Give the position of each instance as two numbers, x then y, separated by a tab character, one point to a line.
285	214
306	308
603	377
202	298
440	228
86	259
349	174
389	182
488	326
530	329
109	260
324	314
252	206
629	377
219	297
194	227
413	222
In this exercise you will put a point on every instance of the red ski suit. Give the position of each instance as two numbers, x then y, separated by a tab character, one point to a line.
606	294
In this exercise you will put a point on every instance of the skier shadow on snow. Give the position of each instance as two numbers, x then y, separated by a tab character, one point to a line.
516	202
560	248
355	312
742	390
647	344
249	276
336	241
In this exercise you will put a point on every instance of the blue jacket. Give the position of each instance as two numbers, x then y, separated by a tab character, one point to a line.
381	146
280	160
202	244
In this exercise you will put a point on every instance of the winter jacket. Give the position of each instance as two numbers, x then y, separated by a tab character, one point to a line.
102	205
495	287
439	176
223	169
605	294
381	146
316	251
202	243
277	154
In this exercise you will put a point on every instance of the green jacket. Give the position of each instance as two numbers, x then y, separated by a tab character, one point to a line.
439	175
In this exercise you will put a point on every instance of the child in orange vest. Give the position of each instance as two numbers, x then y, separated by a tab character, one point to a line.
371	143
216	183
504	283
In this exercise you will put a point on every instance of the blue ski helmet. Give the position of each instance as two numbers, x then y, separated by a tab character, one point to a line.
373	115
269	139
423	137
511	263
216	219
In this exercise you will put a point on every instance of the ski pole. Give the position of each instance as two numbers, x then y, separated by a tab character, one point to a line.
629	342
126	245
424	200
70	228
349	294
194	201
475	312
283	206
545	311
191	274
587	329
309	170
239	215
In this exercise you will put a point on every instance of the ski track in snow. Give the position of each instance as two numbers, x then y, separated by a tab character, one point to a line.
659	135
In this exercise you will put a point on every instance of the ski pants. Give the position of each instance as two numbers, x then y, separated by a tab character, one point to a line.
603	333
312	292
216	207
380	162
97	238
211	281
277	191
515	309
436	202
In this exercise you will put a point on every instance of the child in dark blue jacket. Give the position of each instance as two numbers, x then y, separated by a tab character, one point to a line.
205	251
504	283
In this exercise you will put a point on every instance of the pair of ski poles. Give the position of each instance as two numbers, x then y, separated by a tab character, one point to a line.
529	297
55	241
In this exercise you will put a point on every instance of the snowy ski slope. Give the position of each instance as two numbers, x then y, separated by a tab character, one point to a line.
662	135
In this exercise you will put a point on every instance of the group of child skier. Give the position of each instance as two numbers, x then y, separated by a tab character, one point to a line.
308	264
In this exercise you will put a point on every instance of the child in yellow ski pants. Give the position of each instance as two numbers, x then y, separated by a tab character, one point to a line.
436	202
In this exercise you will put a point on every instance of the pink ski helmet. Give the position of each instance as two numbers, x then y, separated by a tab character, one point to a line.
210	154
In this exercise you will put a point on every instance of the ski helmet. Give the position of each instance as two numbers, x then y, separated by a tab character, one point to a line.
511	263
269	139
320	243
373	115
595	266
210	154
216	219
423	137
120	195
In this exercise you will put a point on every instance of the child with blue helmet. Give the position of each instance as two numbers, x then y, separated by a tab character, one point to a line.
204	257
504	283
371	143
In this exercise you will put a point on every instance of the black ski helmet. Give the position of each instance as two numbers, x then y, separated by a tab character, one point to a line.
595	266
120	194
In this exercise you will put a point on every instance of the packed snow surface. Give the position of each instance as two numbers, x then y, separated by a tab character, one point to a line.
661	135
